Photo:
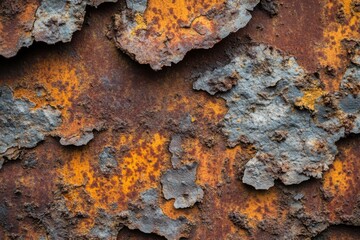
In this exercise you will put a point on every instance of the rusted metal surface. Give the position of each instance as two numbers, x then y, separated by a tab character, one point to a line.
24	21
161	33
140	154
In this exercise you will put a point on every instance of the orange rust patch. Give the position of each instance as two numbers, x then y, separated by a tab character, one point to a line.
343	23
162	32
309	98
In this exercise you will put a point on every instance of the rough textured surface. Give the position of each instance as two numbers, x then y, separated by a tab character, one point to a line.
16	23
48	21
149	218
57	20
78	140
176	150
158	33
22	125
107	160
270	6
179	184
82	137
290	145
59	192
137	5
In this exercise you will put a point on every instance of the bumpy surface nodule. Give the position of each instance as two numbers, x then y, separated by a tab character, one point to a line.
292	144
22	126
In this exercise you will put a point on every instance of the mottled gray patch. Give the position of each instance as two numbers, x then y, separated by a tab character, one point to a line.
147	216
55	218
235	16
176	150
137	5
107	160
57	20
222	80
106	226
355	59
262	105
179	184
22	126
186	126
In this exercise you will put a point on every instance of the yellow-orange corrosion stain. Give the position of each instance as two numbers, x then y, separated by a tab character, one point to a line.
309	98
57	83
260	206
140	23
340	182
192	214
337	180
176	19
137	171
211	161
172	16
345	25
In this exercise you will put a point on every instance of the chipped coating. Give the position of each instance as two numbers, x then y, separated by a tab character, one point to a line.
21	125
149	218
291	146
176	150
179	184
164	32
48	21
56	21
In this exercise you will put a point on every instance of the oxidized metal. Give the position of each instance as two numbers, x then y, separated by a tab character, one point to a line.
123	152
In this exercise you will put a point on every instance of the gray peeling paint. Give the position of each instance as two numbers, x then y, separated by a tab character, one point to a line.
291	145
57	20
176	150
21	126
179	184
147	216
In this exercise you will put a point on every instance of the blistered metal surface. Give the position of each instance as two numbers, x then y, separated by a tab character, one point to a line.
128	134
